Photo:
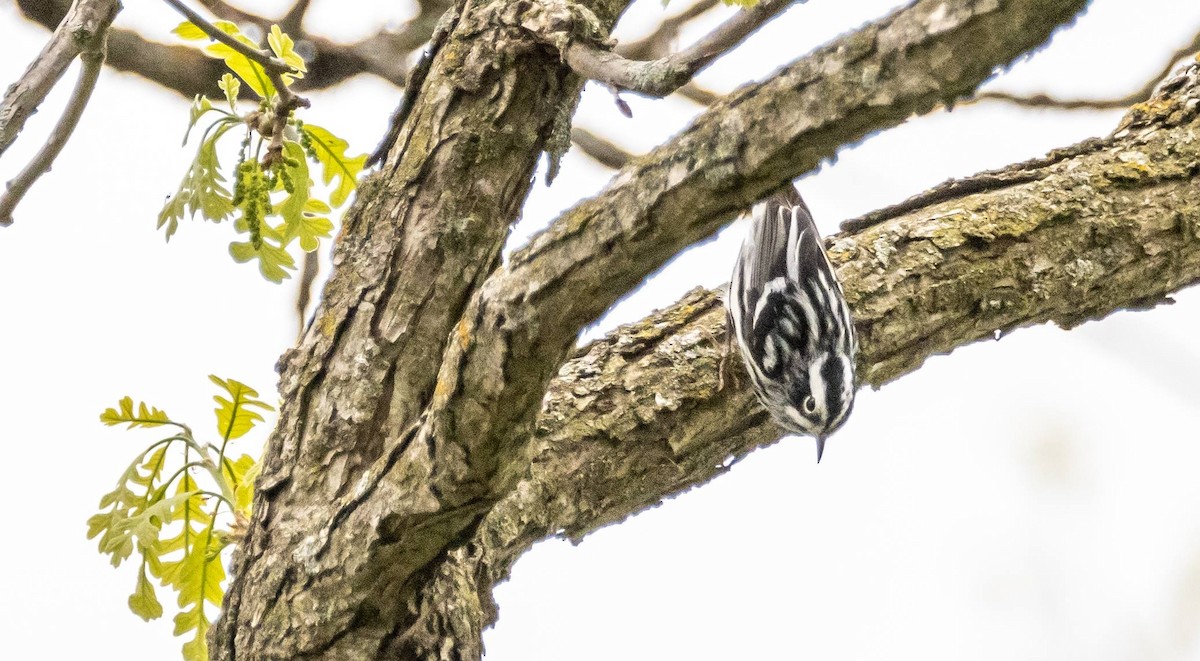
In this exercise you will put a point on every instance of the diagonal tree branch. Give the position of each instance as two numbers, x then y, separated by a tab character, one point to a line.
638	416
527	314
92	61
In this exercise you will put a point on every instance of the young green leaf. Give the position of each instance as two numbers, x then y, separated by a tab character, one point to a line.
202	189
200	105
249	71
284	49
144	602
235	416
273	261
245	472
202	579
146	416
330	151
231	86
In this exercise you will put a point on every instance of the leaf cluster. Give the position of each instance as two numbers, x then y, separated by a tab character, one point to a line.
178	505
269	191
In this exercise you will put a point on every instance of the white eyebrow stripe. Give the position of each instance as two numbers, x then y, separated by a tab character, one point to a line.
795	236
816	384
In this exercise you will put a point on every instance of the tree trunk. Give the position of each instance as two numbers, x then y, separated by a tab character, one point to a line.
431	430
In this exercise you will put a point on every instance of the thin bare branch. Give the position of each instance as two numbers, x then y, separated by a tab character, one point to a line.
658	43
1141	94
92	61
227	12
697	94
82	24
660	77
603	151
274	67
293	21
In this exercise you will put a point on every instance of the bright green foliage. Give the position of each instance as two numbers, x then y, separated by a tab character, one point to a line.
235	416
178	505
146	416
330	151
271	201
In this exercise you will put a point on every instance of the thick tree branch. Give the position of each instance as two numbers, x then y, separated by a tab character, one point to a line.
361	390
745	147
381	465
637	417
528	313
660	77
79	30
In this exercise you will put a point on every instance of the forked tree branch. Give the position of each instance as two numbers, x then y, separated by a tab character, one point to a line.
638	416
384	460
92	62
86	22
83	32
529	312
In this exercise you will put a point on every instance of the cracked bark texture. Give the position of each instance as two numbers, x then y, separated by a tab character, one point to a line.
431	430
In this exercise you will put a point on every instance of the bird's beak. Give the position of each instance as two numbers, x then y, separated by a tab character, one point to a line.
820	447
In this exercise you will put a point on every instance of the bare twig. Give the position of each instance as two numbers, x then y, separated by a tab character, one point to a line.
603	151
228	12
92	60
1145	92
658	43
275	68
660	77
292	22
75	32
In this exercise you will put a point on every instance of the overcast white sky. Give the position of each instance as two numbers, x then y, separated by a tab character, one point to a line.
1034	498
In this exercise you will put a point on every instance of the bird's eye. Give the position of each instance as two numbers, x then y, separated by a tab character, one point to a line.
810	404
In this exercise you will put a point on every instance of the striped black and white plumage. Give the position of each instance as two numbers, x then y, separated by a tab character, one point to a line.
787	314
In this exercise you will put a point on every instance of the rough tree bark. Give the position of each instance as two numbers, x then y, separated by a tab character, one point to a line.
426	441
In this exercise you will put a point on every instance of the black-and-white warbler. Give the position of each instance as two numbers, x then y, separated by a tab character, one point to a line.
788	316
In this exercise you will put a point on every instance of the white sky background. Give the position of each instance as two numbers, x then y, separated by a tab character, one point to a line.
1034	498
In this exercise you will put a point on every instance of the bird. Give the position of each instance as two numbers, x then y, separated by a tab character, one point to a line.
786	312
